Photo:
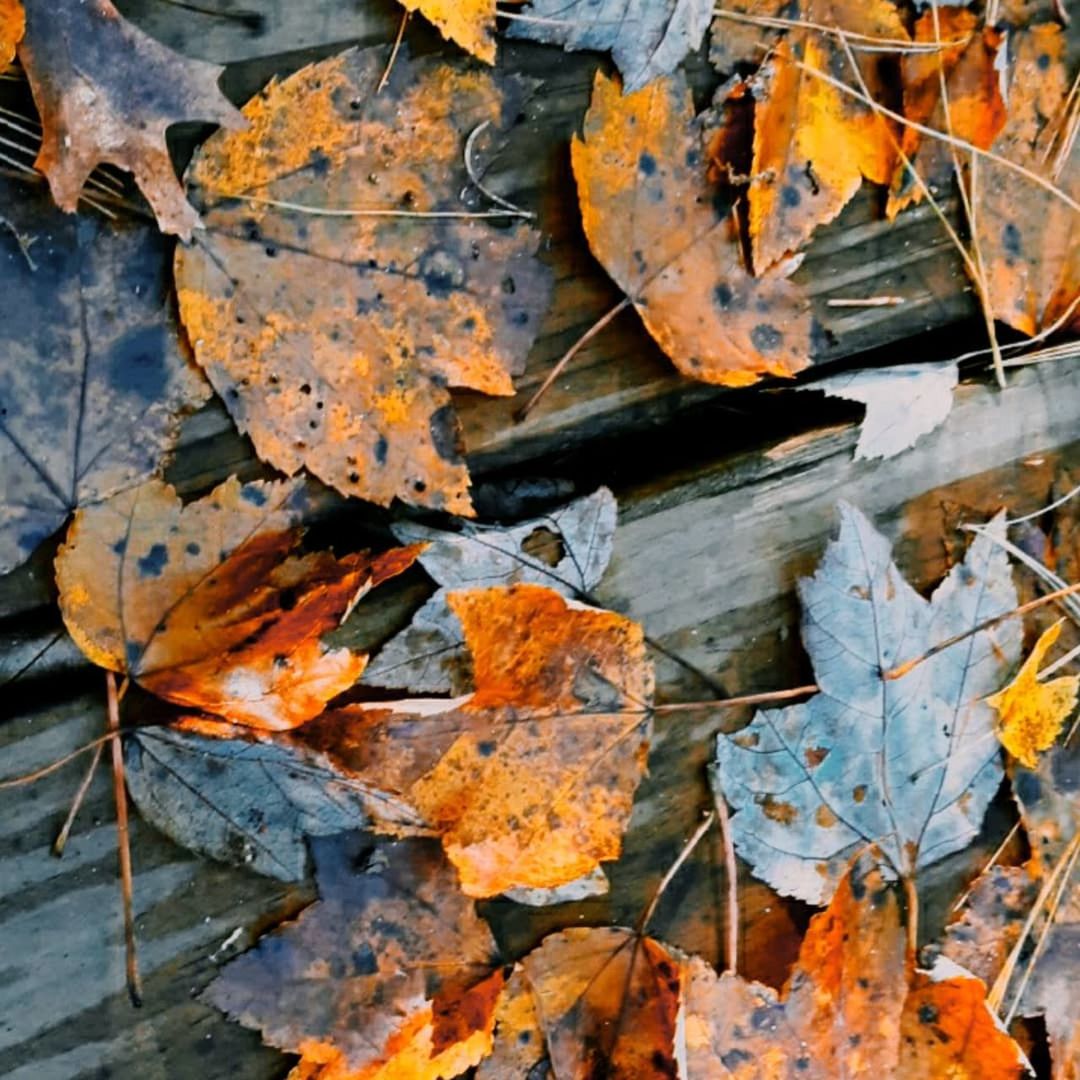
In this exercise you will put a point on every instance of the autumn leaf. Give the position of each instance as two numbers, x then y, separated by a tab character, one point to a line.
566	550
12	27
813	144
93	382
387	975
1031	713
205	605
909	764
976	109
342	286
1046	796
1028	235
650	219
108	92
530	779
735	42
646	38
468	23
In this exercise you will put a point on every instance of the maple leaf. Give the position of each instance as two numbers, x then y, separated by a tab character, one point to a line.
909	763
203	604
468	23
93	383
332	336
813	144
108	92
646	38
1031	713
530	779
12	27
650	219
1026	234
429	655
389	970
976	109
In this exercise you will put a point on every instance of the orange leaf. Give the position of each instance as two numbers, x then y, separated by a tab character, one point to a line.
650	218
12	25
333	336
203	604
814	144
529	780
387	977
976	110
108	92
468	23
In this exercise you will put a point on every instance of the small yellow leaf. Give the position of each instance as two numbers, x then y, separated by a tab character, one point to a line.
1031	713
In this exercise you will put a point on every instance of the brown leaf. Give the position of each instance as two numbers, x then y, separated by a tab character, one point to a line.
331	337
468	23
519	1040
204	605
734	42
976	110
12	26
529	780
387	976
651	220
108	92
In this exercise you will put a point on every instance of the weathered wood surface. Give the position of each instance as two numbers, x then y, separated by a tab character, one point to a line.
725	500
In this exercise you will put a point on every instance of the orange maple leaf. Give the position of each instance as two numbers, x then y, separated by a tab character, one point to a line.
12	26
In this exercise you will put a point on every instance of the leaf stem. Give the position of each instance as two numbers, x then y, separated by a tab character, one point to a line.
731	870
665	881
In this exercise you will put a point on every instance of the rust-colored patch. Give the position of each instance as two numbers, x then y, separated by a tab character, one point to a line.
825	817
778	810
651	219
815	755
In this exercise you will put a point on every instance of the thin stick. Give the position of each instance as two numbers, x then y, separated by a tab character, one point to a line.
476	181
903	669
569	355
393	52
734	702
62	837
989	862
731	871
911	895
39	774
869	301
1044	509
665	881
322	211
126	890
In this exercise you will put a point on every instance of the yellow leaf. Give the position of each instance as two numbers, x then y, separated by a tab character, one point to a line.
1031	713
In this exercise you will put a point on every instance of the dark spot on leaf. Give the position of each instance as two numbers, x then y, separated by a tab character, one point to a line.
927	1014
647	164
485	748
381	449
722	296
441	274
154	561
1043	61
790	196
132	652
446	434
363	960
664	1065
120	547
858	793
252	494
319	162
734	1058
287	599
1011	240
193	548
766	338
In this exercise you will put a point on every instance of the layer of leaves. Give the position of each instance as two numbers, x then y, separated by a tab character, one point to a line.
909	764
529	780
93	382
651	220
388	970
331	335
108	92
205	604
646	38
468	23
566	550
1028	236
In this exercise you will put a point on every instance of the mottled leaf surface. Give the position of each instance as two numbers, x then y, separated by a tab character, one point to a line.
468	23
93	382
566	550
909	764
12	25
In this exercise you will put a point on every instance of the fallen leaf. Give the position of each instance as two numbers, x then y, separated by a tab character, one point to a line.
650	219
1028	236
1047	797
813	144
387	975
909	764
93	383
1031	713
567	550
468	23
594	883
518	1049
530	779
12	27
646	38
205	605
331	335
223	791
976	109
736	43
108	92
903	403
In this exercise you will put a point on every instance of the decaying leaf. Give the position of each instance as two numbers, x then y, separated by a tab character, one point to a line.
108	92
12	27
341	285
1031	713
903	403
651	220
226	792
92	380
519	1040
468	23
1048	796
646	38
976	109
736	43
205	605
909	764
813	144
1028	236
529	780
387	975
566	550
